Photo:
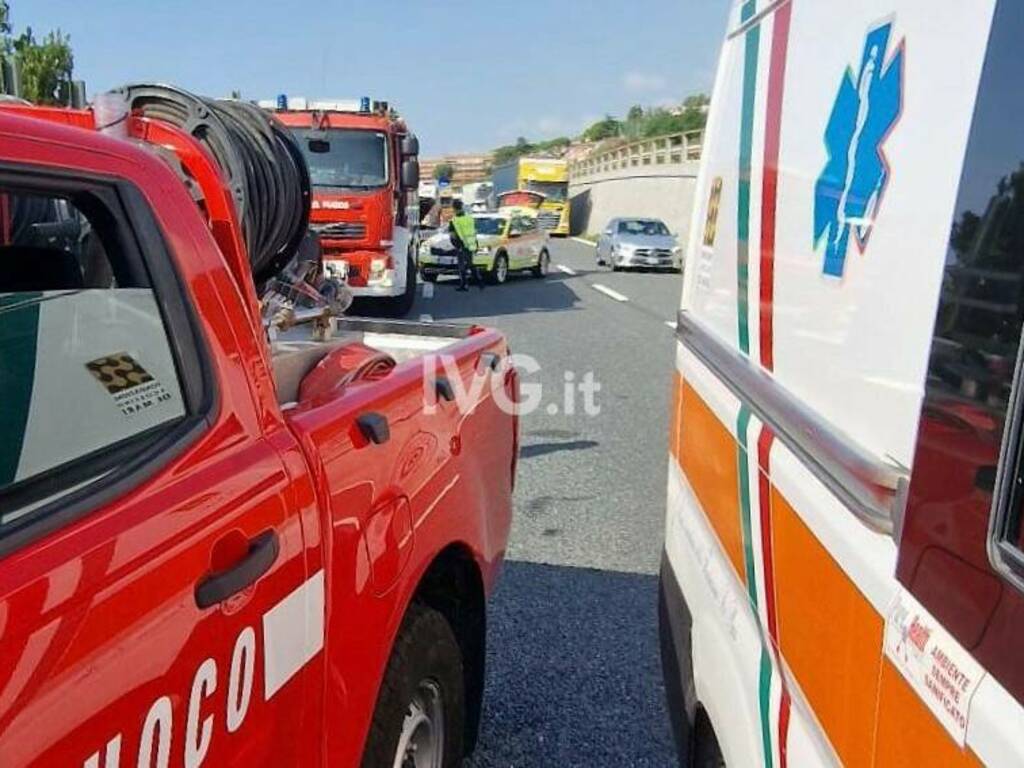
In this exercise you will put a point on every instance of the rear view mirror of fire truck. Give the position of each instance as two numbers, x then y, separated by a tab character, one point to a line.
410	174
410	146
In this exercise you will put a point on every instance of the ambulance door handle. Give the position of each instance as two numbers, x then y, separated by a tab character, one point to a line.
218	587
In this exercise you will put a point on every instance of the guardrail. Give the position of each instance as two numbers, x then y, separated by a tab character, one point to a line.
660	150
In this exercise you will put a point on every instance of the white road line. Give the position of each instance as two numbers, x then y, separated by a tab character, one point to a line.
609	292
428	290
567	270
671	324
425	318
585	242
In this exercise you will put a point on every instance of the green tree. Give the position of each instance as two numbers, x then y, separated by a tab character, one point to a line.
506	154
444	170
606	128
46	65
695	112
660	122
551	146
696	101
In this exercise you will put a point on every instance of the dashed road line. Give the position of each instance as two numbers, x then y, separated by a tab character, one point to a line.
671	324
425	318
609	292
584	242
567	270
428	290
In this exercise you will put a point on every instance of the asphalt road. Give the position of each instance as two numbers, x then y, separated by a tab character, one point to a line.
574	677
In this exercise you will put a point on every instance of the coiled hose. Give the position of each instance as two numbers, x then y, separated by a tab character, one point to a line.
263	164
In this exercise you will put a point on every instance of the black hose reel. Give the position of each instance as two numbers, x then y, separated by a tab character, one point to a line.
263	164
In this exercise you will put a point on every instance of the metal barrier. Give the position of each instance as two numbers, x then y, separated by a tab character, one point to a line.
660	150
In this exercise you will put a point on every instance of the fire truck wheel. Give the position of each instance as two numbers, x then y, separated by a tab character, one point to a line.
420	715
400	305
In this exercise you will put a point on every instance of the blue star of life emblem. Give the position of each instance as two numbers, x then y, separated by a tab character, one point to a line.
849	190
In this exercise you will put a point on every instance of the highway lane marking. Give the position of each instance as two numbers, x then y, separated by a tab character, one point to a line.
609	292
425	318
567	270
428	290
585	242
671	324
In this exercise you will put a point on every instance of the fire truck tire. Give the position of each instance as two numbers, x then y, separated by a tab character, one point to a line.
421	706
401	305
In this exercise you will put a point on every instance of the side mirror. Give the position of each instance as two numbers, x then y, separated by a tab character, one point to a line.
410	145
410	173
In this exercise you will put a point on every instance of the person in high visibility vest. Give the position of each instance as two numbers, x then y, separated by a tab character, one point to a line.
462	229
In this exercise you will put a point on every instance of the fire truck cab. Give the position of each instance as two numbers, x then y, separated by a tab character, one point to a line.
363	163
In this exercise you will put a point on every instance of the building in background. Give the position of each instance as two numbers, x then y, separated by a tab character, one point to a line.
469	168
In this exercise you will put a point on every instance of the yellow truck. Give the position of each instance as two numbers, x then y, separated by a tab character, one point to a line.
544	175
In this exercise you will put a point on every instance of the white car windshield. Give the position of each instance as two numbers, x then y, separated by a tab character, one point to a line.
490	225
641	227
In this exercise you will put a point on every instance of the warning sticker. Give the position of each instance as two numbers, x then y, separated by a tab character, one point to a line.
944	675
132	387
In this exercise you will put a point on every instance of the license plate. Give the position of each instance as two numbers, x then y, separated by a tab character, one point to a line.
336	269
652	260
446	261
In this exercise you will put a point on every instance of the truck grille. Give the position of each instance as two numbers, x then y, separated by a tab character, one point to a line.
341	230
549	219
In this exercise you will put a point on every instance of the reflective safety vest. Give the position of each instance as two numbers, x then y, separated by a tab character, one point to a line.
465	228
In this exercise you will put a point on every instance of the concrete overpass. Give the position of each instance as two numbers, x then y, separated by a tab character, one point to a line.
652	177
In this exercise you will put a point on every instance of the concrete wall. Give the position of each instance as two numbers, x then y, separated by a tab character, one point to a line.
660	191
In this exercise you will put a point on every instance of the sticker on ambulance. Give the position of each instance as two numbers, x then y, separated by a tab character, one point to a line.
941	672
711	220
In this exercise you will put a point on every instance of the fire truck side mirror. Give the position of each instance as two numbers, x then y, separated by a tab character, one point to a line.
410	173
410	146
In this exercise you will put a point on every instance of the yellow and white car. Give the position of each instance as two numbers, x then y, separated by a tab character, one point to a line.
507	242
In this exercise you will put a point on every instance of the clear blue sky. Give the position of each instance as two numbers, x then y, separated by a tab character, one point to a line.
468	76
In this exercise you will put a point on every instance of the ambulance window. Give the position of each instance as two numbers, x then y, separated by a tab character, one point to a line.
959	540
86	367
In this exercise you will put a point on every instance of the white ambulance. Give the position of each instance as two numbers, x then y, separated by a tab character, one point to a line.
843	580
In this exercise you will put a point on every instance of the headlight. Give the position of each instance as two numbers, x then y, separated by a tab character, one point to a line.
484	251
377	266
676	250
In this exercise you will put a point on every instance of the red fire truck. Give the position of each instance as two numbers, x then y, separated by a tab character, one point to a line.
365	172
220	546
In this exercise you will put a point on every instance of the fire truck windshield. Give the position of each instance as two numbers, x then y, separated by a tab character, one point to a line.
344	158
